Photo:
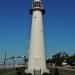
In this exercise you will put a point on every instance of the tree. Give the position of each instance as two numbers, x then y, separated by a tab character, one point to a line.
59	57
71	59
49	61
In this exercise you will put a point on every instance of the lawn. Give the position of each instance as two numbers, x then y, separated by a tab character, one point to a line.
8	72
13	72
66	73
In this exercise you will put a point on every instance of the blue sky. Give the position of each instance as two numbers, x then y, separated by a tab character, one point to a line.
15	26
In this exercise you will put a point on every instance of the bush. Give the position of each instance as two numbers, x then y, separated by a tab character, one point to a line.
56	72
29	74
20	71
45	73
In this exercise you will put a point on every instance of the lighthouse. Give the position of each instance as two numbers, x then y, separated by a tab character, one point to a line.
36	60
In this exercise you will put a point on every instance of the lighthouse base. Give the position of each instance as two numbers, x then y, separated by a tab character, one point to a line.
37	71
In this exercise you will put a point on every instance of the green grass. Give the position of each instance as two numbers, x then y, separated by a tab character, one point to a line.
13	72
66	73
8	72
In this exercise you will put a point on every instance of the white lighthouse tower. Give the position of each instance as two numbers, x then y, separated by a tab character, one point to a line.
37	59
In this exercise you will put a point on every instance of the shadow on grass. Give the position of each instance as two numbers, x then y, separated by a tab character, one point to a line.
21	71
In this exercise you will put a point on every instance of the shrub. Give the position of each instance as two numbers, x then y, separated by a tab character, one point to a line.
45	73
29	74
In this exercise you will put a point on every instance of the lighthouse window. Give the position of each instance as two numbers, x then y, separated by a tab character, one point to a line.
35	17
34	4
37	4
41	30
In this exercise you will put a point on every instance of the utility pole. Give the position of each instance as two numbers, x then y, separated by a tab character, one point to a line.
4	59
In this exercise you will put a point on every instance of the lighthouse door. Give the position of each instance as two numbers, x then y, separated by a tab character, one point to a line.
37	72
